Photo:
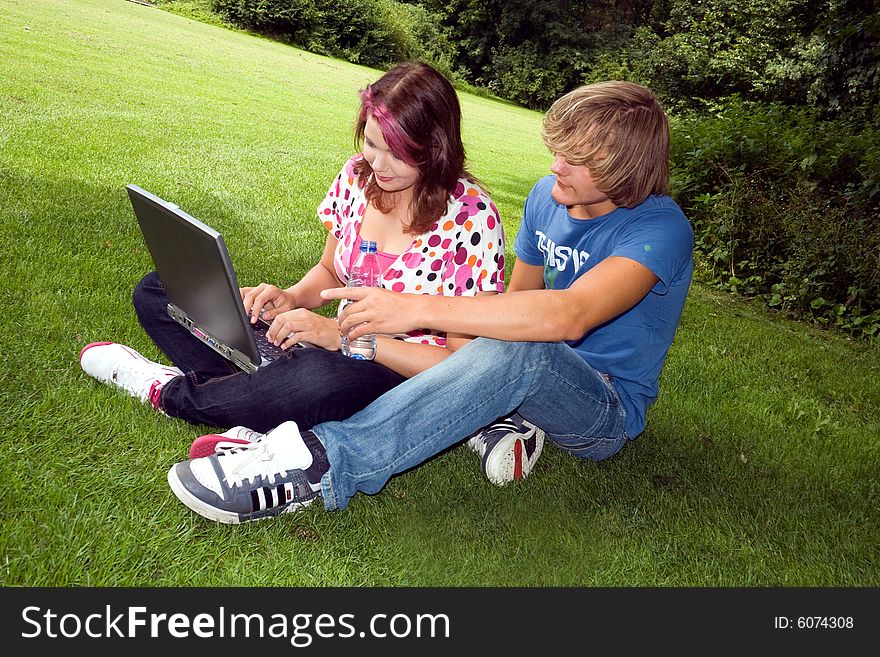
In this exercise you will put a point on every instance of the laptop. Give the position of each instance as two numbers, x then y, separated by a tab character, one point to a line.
196	272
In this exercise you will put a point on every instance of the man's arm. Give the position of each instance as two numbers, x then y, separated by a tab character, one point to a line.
530	315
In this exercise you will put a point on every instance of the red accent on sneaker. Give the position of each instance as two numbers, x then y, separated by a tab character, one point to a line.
155	395
518	456
207	445
90	345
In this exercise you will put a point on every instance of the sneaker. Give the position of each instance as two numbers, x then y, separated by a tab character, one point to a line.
218	443
120	365
254	481
509	449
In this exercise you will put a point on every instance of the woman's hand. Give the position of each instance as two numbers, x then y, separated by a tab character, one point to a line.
301	325
373	310
266	301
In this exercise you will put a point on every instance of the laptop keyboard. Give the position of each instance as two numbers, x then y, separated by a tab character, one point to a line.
267	350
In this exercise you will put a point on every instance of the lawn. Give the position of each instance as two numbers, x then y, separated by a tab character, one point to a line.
758	467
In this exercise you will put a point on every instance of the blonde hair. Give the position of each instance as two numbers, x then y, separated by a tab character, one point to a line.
618	130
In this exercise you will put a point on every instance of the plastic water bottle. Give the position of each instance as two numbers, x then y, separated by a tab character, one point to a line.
364	273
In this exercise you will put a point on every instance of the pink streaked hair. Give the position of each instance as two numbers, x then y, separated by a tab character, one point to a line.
417	110
400	143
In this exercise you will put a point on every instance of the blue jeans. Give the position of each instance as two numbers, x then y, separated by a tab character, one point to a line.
547	383
308	386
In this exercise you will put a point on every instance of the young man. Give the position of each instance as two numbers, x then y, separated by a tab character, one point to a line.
575	347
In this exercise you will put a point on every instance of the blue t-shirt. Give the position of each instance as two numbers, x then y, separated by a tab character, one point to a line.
630	348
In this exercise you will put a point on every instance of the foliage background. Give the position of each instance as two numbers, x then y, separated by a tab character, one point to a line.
775	113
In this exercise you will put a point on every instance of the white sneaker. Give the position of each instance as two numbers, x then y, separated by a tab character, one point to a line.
256	480
509	448
122	366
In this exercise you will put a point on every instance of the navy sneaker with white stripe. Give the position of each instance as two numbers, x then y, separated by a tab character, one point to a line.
257	480
509	447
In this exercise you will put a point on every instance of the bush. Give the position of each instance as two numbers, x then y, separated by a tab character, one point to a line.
295	20
523	76
361	31
420	36
376	33
785	206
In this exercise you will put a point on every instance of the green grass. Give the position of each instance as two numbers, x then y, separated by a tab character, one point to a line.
758	468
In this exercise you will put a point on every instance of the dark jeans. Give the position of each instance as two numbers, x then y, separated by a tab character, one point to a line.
308	386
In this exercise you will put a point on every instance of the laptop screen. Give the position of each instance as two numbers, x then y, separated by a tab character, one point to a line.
196	271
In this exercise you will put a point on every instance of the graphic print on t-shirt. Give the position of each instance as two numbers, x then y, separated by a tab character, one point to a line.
558	257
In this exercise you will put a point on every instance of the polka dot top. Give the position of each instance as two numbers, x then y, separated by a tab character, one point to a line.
462	254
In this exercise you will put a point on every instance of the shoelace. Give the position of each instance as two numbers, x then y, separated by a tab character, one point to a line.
257	453
227	447
251	436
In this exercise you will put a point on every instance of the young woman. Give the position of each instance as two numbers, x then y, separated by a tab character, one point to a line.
437	233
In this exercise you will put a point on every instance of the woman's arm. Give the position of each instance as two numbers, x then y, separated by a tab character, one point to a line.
271	301
410	358
307	291
526	277
404	357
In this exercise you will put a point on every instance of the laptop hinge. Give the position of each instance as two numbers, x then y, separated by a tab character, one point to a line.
226	351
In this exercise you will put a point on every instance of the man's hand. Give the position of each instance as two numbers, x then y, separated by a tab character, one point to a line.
266	301
373	310
301	325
